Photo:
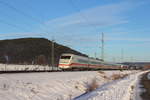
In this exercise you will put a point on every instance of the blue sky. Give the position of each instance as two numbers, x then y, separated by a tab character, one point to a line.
79	24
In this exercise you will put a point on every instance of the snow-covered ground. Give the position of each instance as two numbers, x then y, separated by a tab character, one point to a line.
11	67
122	89
66	86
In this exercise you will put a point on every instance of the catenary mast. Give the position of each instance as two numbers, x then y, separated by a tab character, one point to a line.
102	47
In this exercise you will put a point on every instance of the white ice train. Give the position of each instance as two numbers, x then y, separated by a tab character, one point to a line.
72	61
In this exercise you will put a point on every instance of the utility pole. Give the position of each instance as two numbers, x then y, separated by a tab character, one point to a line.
52	54
131	59
95	55
114	59
102	47
122	55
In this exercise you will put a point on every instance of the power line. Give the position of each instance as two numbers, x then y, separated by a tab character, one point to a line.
122	55
13	25
23	13
82	15
17	10
86	19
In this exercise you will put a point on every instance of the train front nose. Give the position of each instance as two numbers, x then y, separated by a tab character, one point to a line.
64	62
64	66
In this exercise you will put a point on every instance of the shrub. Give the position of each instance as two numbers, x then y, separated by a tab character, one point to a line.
145	82
92	86
146	67
103	75
101	72
132	87
41	60
118	76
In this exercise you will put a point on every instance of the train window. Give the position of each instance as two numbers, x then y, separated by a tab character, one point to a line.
65	57
82	61
95	62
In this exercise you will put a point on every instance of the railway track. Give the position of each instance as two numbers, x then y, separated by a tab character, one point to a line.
42	71
31	71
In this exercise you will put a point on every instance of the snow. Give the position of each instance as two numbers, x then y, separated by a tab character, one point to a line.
43	86
11	67
66	85
122	89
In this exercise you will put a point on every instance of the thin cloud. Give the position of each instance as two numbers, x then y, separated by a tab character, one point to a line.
98	16
93	39
19	35
129	39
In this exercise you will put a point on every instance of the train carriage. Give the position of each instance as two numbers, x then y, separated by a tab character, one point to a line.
71	61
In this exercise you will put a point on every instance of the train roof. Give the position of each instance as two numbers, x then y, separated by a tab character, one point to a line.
70	54
67	54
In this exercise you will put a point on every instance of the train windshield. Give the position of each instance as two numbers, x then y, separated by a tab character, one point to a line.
65	57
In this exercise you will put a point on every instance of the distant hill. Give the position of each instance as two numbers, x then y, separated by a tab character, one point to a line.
31	50
137	63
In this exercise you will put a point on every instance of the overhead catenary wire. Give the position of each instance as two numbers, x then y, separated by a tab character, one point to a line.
89	23
81	14
19	11
24	14
31	17
102	48
13	25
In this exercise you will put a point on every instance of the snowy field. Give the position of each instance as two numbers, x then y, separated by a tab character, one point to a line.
11	67
148	76
66	85
122	89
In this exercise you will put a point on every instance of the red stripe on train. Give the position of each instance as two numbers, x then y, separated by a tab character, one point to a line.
78	64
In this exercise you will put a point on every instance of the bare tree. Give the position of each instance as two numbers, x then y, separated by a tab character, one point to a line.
41	60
